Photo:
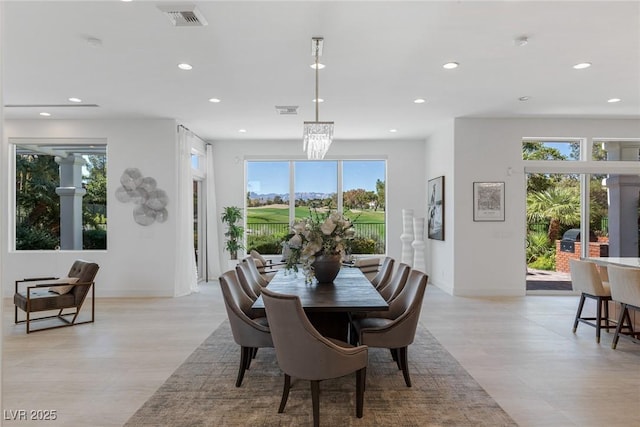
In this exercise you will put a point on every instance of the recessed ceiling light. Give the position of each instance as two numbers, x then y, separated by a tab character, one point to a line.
582	65
450	65
214	100
242	130
419	101
75	99
320	100
320	66
45	114
126	1
613	100
393	130
185	66
524	98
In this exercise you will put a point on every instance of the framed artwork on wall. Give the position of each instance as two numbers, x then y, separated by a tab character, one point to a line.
488	201
435	209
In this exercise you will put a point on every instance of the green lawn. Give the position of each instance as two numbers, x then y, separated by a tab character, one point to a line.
280	215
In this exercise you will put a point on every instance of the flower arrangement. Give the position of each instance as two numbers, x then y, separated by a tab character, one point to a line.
319	234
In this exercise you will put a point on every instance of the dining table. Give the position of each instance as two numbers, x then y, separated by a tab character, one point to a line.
329	306
633	262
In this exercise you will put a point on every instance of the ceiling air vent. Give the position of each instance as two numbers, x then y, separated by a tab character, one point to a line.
183	15
284	110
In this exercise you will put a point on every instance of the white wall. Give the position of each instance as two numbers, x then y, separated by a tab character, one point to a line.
139	261
405	186
439	155
489	256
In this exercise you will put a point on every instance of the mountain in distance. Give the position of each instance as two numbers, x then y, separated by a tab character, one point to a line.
285	197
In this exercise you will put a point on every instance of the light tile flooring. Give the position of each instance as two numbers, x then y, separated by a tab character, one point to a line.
521	350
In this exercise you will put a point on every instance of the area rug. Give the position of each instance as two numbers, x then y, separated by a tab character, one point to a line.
202	392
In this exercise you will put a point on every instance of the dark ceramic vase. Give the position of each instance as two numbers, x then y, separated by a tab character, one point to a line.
326	267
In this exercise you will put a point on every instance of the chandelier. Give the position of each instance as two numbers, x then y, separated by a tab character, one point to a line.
317	136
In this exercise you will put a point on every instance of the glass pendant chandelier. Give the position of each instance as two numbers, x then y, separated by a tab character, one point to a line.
317	136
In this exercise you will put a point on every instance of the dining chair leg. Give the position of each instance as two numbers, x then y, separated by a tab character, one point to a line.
402	360
315	402
624	322
598	318
578	313
361	381
245	359
285	393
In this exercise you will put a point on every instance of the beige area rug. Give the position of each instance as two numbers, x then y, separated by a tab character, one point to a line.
202	392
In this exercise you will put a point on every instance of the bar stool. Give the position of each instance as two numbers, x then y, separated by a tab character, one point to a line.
586	279
625	289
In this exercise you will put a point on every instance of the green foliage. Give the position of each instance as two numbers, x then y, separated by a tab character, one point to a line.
363	245
231	215
33	238
266	244
538	245
546	262
560	205
94	239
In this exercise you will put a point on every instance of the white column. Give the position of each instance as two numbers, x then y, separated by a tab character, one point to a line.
71	193
624	193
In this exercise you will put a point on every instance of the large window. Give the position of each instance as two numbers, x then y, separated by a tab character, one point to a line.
280	191
61	197
577	185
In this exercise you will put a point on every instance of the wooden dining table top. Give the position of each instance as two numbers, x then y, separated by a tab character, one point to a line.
351	291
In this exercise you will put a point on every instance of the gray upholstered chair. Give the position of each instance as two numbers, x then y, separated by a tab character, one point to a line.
397	329
249	330
303	353
625	289
57	293
255	273
247	280
369	266
381	279
397	282
586	278
267	267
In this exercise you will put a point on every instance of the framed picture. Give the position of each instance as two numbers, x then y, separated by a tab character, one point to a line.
488	201
435	209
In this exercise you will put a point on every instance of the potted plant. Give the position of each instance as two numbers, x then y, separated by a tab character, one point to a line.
231	215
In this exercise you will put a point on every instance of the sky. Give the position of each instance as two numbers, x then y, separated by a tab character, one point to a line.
314	176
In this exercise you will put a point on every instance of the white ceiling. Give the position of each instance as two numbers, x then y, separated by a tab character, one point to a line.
379	57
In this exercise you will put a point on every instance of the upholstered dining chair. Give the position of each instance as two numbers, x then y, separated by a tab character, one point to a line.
384	274
586	278
625	289
397	282
249	331
302	352
369	266
247	280
397	329
253	269
265	266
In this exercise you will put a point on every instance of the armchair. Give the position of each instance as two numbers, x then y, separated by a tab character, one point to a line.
54	293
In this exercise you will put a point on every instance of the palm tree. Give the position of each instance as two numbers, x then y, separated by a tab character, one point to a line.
558	205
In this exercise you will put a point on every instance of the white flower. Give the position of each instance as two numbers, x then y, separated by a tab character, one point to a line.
328	226
295	241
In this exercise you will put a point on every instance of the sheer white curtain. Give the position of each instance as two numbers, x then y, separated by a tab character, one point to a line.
213	247
186	276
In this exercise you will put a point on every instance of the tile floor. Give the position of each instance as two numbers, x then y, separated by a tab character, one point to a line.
521	350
